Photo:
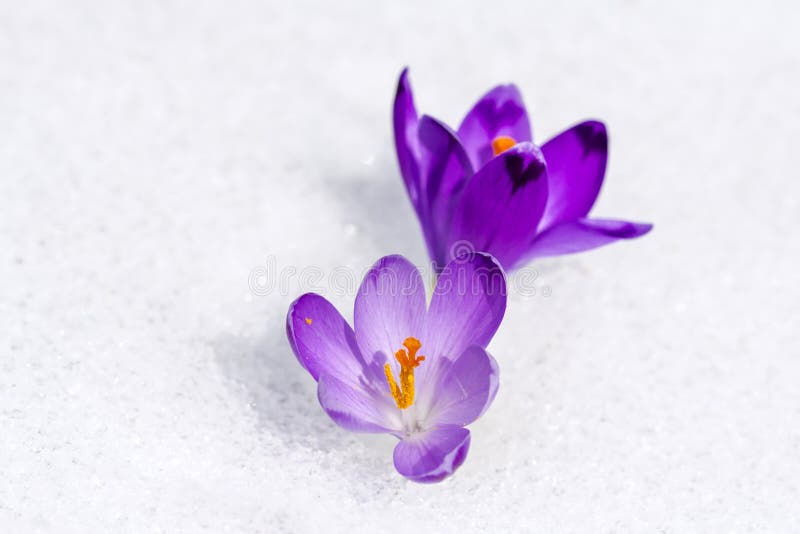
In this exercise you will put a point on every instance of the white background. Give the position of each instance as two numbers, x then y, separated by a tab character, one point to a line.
152	154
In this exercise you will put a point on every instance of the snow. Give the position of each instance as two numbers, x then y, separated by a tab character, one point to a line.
155	154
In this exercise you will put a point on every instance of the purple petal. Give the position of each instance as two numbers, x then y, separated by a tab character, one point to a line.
499	112
465	389
446	169
433	455
467	306
321	339
405	137
576	164
390	307
501	205
584	234
357	407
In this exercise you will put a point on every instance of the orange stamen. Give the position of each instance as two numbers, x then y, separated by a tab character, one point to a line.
404	393
502	143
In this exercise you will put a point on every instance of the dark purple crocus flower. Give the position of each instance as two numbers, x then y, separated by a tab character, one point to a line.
420	373
488	186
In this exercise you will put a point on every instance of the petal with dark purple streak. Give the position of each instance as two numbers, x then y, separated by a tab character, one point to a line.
500	112
500	208
576	164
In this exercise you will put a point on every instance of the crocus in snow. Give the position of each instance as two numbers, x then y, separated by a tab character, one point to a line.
418	372
489	187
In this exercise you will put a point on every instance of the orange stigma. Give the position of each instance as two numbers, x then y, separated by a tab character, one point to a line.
408	359
501	143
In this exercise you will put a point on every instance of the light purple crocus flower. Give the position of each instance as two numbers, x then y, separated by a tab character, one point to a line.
489	187
420	373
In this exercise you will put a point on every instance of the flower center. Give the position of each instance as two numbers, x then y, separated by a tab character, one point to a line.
408	359
501	143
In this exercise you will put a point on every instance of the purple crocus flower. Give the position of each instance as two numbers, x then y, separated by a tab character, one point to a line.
420	373
489	187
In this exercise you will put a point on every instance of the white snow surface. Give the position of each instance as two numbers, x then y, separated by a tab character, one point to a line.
155	154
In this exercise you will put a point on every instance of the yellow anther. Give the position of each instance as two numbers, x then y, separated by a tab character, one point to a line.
404	393
308	320
502	143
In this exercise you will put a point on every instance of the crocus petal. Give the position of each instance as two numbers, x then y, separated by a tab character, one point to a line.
357	407
499	112
467	306
501	205
584	234
405	137
321	339
576	164
433	455
390	307
446	168
465	388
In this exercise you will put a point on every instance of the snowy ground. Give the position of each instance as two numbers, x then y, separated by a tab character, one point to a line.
152	155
